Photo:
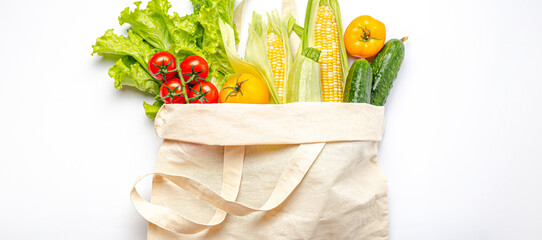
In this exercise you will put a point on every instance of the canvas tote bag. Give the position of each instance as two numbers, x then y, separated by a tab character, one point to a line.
288	171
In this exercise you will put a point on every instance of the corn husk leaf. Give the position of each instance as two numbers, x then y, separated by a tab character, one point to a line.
304	79
289	7
282	28
298	30
238	17
255	51
241	66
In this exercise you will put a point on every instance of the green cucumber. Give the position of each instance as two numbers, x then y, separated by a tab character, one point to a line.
385	68
359	82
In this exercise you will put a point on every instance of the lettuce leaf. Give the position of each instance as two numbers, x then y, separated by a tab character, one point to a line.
160	29
152	110
150	23
208	14
133	45
186	32
128	72
196	33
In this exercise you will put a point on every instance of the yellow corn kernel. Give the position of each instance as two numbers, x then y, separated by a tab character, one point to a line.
326	39
275	54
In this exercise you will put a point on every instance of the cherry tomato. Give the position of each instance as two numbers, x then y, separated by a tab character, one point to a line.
162	63
364	37
172	91
196	67
203	92
244	88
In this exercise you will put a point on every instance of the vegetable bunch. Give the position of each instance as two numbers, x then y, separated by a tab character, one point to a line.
154	30
184	59
365	37
185	82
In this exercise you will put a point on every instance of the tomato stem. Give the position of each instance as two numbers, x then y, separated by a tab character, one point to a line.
194	73
185	94
171	93
162	69
199	94
235	90
366	34
163	72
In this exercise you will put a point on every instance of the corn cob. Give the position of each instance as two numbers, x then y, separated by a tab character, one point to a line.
268	47
326	39
323	31
256	53
275	54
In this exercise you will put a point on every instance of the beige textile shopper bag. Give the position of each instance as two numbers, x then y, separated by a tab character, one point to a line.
289	171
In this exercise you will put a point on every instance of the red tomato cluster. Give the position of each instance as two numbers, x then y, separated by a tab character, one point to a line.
192	88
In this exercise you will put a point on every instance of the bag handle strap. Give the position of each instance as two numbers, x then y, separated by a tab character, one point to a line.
168	219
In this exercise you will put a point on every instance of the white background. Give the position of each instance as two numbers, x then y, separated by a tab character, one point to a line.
462	149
